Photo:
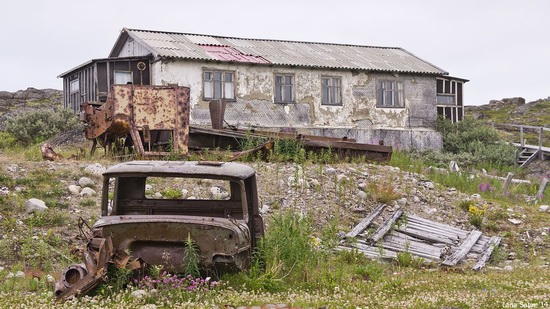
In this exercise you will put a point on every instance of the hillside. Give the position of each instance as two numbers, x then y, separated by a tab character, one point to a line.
334	197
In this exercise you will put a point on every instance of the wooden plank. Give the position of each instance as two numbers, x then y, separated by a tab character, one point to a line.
507	182
543	184
491	245
464	248
369	251
426	235
445	227
384	228
359	228
400	242
442	231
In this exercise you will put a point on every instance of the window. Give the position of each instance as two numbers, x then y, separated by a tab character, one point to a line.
284	88
218	85
331	91
123	77
74	86
390	94
446	92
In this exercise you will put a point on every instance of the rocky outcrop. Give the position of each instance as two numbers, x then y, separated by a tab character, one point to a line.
14	103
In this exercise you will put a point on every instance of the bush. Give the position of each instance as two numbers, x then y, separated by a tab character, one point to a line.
474	140
37	126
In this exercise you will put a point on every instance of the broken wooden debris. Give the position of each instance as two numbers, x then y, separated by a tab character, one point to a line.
464	248
490	247
424	239
384	228
359	228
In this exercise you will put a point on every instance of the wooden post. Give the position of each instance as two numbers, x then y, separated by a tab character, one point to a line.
541	155
543	184
521	141
507	183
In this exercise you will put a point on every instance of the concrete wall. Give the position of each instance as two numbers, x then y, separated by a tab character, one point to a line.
405	128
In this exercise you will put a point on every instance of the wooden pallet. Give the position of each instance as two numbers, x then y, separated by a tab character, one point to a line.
424	239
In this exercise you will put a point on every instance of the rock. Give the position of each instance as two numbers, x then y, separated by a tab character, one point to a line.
148	187
341	178
138	294
184	193
50	279
87	192
74	189
35	205
402	202
416	199
330	171
475	196
515	221
157	195
362	186
4	191
95	169
1	269
429	185
217	193
508	268
362	195
314	183
430	210
264	209
86	182
19	274
544	208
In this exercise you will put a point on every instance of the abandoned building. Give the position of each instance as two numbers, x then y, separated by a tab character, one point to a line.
366	93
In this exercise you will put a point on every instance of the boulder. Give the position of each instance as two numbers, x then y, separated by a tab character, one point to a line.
95	169
86	182
87	192
35	205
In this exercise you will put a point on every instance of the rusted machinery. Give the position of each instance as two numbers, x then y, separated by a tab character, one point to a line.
146	120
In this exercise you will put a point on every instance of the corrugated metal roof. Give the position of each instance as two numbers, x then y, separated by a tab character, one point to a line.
286	53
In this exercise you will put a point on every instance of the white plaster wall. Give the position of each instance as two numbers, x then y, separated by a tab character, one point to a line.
255	82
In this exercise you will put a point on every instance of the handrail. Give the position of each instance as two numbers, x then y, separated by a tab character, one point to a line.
522	126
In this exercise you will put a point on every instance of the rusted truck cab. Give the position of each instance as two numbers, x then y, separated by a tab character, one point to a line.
218	210
151	209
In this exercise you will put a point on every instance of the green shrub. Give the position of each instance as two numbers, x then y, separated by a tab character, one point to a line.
7	140
37	126
475	142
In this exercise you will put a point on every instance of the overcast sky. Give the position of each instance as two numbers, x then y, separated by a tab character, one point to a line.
501	46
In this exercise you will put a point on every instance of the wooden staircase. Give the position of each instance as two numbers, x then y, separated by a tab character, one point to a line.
526	155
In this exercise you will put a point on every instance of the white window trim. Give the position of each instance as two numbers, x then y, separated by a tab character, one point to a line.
400	91
331	89
284	86
224	84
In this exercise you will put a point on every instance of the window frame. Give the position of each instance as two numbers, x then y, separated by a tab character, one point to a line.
382	92
122	72
76	82
334	92
283	93
223	84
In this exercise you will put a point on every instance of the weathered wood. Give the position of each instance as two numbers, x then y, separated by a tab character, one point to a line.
440	230
507	182
531	158
400	242
543	184
359	228
445	227
464	248
371	252
491	245
384	228
426	235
